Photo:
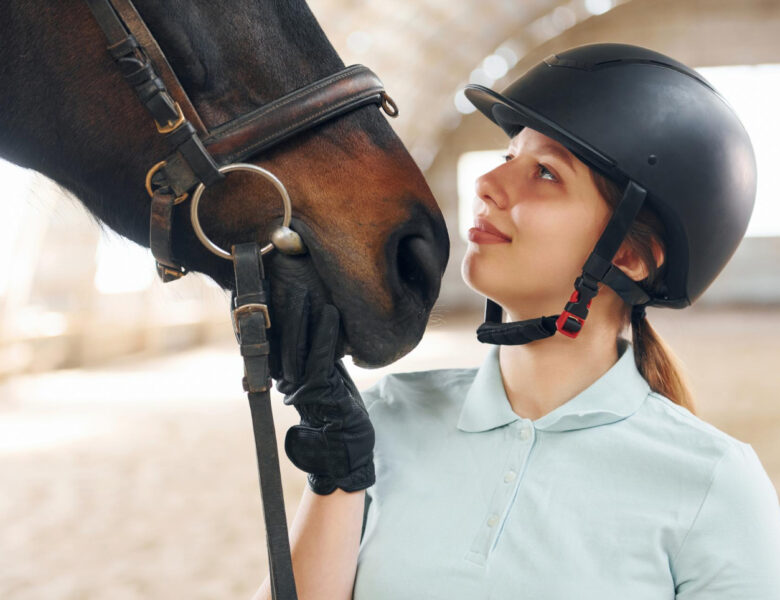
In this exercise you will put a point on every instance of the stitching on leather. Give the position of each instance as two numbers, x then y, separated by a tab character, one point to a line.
277	104
297	124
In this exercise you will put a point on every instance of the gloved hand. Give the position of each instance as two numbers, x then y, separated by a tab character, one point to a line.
335	440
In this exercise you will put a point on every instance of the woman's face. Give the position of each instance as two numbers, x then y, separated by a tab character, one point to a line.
549	213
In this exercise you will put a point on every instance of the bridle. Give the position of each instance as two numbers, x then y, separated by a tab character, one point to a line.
201	157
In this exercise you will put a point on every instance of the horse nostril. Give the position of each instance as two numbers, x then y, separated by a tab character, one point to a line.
418	268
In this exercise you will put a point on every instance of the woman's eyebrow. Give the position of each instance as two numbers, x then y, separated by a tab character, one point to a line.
559	153
556	151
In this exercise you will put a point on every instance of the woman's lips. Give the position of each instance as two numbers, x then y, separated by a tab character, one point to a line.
485	232
483	237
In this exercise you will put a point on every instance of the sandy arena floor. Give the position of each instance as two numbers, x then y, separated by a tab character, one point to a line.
138	480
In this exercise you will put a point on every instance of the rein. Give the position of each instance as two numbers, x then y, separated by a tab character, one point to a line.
201	157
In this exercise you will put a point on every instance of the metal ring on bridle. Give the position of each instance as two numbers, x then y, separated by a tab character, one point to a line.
227	169
148	182
389	105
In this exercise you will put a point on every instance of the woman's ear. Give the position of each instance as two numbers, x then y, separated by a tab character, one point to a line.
630	263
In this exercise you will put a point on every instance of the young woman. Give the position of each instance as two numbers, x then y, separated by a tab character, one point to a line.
570	464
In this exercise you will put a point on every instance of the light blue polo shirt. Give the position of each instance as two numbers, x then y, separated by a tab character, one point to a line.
617	494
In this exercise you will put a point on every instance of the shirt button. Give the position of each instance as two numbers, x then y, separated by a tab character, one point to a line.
509	476
525	433
492	521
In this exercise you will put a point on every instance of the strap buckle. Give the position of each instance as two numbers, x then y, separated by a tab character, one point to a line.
250	308
169	273
172	125
572	319
148	182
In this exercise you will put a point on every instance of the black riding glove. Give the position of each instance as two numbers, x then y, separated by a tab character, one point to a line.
335	440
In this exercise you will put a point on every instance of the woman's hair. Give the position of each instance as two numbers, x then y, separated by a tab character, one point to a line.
654	359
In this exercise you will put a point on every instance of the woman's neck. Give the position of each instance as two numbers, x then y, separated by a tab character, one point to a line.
541	376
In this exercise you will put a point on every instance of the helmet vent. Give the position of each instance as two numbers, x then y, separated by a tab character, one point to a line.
556	61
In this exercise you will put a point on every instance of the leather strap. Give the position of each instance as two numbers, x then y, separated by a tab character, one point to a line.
160	239
136	25
139	71
250	317
187	144
134	63
279	120
299	110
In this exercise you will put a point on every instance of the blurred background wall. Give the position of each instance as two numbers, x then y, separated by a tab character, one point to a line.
126	459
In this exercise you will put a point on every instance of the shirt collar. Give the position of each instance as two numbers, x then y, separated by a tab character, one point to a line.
615	395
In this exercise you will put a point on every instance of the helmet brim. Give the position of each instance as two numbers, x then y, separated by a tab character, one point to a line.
512	117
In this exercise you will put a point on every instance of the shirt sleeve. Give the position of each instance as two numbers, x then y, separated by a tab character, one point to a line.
732	550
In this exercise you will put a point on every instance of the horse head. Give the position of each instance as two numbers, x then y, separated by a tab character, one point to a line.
374	233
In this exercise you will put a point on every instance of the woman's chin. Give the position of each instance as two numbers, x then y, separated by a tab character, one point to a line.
479	274
474	282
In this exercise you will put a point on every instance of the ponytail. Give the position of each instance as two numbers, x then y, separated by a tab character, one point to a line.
659	365
654	359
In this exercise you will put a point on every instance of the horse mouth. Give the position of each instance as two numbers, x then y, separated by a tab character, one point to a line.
373	334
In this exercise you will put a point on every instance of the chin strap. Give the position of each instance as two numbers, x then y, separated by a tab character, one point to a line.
597	269
493	331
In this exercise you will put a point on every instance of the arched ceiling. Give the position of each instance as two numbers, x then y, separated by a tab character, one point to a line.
426	50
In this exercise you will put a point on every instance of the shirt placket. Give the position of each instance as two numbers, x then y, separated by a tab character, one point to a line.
521	436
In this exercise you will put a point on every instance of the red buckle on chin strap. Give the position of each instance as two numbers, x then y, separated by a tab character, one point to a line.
569	324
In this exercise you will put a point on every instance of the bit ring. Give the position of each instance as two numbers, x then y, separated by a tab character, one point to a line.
227	169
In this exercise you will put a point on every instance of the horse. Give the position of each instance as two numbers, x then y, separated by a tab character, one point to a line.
375	235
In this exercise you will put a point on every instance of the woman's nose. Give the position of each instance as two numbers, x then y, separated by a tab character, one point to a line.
490	188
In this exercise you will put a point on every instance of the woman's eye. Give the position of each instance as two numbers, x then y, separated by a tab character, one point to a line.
544	170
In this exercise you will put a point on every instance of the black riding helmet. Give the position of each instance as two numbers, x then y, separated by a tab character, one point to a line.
667	137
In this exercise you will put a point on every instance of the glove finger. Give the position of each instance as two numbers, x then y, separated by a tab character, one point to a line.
295	335
320	361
